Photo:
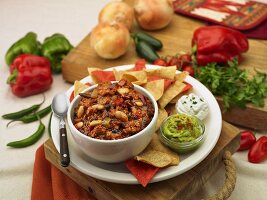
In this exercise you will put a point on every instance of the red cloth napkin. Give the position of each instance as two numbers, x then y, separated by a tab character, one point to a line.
50	183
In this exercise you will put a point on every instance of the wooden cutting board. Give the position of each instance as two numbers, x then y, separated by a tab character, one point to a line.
179	187
176	37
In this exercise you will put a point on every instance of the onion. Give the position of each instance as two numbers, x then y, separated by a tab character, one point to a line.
110	40
153	14
117	11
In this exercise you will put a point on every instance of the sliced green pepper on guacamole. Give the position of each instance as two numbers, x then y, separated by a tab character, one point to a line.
181	128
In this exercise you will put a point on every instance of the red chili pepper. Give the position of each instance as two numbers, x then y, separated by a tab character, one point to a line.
258	152
247	139
29	74
218	44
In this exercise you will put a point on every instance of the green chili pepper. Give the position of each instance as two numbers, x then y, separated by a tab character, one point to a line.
152	41
21	113
26	45
29	140
145	51
34	117
55	48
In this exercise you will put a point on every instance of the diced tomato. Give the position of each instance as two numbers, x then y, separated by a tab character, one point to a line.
140	64
103	76
142	171
160	62
118	101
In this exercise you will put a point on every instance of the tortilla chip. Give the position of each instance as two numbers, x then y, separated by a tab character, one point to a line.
156	88
167	82
79	87
100	76
156	145
135	77
181	76
185	91
170	93
155	158
157	154
161	116
91	69
163	72
117	74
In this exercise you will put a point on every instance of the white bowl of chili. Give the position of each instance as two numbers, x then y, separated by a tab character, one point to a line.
113	122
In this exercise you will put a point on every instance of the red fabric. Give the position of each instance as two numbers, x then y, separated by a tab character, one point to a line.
143	172
50	183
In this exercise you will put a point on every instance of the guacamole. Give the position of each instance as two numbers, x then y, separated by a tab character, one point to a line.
181	128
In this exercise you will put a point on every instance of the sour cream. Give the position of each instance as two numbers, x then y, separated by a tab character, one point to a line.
192	105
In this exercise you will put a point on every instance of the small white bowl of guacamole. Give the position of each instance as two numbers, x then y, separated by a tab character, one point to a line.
182	133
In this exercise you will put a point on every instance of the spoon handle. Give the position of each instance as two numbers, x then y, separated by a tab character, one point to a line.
64	148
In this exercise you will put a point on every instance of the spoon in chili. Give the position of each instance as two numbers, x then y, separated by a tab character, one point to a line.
60	105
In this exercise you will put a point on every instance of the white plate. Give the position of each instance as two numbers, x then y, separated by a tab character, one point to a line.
118	173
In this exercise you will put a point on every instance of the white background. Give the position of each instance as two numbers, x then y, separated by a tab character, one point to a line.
74	19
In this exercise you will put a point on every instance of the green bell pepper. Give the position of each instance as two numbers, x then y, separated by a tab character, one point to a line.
55	48
26	45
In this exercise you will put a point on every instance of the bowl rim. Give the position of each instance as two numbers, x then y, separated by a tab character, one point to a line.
184	144
132	137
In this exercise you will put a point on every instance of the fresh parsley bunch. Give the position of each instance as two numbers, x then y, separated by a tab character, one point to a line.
233	84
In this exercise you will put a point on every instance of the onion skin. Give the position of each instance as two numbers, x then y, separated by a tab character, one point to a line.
153	14
110	40
117	11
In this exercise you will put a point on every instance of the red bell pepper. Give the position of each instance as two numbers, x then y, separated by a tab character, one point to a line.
29	75
258	152
247	139
218	44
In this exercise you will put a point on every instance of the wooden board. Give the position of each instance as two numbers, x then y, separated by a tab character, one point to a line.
180	187
176	37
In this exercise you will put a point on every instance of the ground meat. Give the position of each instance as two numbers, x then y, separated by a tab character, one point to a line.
113	111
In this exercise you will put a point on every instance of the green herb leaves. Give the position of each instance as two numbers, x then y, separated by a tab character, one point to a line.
233	84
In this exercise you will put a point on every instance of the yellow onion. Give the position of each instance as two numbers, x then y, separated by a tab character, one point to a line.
110	40
153	14
117	11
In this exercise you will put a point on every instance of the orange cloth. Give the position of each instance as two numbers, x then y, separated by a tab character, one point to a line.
50	183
